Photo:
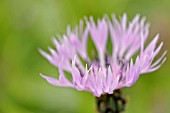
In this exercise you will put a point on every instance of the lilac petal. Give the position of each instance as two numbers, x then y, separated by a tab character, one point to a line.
99	83
55	82
63	80
134	21
124	21
53	52
83	52
85	77
99	34
142	43
115	68
136	76
152	44
157	67
76	74
160	59
158	49
133	76
109	76
91	81
114	83
51	80
48	57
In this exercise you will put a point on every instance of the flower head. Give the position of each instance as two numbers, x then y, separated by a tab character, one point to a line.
106	72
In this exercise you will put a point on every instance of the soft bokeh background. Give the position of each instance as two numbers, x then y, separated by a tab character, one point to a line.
26	25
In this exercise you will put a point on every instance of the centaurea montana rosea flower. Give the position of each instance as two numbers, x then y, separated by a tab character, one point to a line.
106	72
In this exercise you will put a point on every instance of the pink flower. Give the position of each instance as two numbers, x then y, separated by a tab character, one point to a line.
106	72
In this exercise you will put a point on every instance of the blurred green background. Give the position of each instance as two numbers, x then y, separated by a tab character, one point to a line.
26	25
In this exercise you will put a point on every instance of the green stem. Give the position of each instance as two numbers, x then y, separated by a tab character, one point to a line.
111	103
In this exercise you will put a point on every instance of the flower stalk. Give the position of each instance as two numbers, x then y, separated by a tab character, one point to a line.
111	103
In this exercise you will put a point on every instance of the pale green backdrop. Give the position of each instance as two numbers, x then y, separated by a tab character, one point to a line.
26	25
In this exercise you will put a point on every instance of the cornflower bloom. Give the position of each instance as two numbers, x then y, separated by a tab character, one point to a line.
106	72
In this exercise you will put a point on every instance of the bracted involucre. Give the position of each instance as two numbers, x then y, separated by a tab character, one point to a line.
106	72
